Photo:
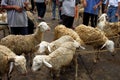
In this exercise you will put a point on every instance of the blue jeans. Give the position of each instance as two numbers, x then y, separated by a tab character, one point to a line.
54	9
54	5
111	14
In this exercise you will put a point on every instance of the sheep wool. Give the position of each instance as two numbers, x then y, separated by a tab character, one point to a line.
61	30
25	43
90	35
4	62
110	28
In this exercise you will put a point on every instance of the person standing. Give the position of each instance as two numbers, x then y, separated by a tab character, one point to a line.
55	4
91	10
41	8
68	12
16	15
113	10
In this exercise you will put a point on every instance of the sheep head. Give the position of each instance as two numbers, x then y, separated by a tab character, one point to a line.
43	26
20	63
38	61
77	45
109	45
43	47
101	21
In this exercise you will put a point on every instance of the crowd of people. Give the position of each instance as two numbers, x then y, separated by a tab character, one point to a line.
19	22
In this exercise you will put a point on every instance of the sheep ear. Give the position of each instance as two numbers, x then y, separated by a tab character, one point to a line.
11	67
47	64
82	47
103	46
49	49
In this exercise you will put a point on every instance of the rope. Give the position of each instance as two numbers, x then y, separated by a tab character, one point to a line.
87	52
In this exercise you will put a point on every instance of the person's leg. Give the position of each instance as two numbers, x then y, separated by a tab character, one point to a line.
43	10
14	30
103	8
93	20
23	30
53	9
64	20
30	26
38	5
69	22
33	5
113	17
86	17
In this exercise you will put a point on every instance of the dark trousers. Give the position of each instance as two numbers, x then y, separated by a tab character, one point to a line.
103	8
87	17
67	21
41	8
19	30
30	26
33	5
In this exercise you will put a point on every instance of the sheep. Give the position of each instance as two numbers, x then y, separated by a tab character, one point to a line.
46	47
95	37
61	30
110	28
7	59
59	58
25	43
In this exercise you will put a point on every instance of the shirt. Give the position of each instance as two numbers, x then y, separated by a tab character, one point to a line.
90	5
68	8
114	3
16	19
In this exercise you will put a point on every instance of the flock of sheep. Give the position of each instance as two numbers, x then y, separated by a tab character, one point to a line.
56	54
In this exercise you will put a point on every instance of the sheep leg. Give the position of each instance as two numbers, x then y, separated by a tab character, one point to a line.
56	75
96	56
76	68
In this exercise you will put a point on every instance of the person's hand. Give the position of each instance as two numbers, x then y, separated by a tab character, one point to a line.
84	3
46	2
116	14
95	7
17	8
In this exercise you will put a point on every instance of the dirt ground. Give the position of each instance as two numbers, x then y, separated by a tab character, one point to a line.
107	68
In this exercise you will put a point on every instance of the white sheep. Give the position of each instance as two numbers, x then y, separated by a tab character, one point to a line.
7	59
46	47
61	30
59	58
25	43
95	37
110	28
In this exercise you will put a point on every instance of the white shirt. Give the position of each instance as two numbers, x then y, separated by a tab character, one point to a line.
68	8
114	2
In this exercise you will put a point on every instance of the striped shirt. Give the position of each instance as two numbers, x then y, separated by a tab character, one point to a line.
15	18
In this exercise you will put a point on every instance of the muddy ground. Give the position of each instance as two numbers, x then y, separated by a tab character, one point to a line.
107	68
